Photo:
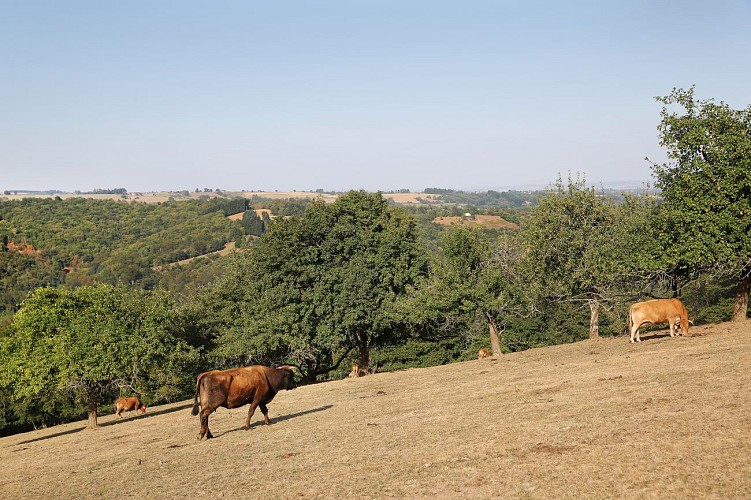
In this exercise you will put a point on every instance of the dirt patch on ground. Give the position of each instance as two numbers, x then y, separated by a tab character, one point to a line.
666	418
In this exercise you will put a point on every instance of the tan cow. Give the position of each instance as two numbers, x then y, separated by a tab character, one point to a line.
483	353
670	311
130	404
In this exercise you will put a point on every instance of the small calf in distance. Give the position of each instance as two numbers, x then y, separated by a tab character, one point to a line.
131	404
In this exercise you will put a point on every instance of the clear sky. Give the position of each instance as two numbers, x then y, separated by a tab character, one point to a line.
350	94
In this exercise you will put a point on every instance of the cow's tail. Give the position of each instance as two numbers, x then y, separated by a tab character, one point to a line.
630	319
196	401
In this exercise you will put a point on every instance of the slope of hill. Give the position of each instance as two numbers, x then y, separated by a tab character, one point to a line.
667	418
486	221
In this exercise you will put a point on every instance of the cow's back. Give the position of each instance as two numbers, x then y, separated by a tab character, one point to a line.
129	404
671	311
234	387
657	310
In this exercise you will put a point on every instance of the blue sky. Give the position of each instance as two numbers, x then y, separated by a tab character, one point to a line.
378	95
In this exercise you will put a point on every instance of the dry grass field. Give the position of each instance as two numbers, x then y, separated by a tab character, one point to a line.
667	418
163	196
486	221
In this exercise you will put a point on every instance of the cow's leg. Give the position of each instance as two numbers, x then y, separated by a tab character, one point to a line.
265	412
672	327
251	410
635	331
205	412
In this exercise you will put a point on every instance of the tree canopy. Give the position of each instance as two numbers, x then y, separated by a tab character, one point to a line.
706	187
316	286
92	340
477	280
573	245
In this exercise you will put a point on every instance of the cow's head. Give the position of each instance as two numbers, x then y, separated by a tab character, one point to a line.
289	378
143	408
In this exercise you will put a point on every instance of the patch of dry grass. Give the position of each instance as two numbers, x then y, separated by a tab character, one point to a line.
595	419
486	221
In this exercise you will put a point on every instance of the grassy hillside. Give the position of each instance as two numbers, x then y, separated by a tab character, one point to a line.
670	417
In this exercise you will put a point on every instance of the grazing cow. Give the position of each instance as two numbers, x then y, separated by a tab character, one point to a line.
130	404
254	385
483	353
361	372
671	311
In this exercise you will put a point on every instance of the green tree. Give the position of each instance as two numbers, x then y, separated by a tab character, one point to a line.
317	286
477	278
252	224
91	340
573	248
706	186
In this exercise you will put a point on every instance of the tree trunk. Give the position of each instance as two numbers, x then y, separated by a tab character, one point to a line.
363	353
740	304
495	338
93	404
594	319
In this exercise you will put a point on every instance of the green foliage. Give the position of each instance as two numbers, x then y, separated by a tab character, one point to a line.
79	241
497	199
706	225
416	353
86	343
317	285
569	241
580	247
252	224
477	280
281	207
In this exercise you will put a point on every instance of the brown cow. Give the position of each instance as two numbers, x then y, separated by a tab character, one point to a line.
130	404
360	372
671	311
483	353
254	385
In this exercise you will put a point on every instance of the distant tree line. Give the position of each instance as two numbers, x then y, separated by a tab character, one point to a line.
497	199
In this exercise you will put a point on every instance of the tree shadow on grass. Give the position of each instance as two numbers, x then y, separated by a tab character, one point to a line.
139	415
278	419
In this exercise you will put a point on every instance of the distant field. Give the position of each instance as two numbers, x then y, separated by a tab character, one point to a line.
486	221
667	418
229	247
162	196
